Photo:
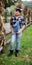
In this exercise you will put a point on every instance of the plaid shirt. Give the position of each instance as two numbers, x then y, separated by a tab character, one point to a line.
17	23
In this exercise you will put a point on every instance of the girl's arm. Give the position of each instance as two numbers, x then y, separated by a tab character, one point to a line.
21	30
11	30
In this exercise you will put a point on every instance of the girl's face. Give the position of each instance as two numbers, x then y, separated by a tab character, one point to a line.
17	13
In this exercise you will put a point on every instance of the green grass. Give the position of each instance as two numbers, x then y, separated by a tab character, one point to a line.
25	54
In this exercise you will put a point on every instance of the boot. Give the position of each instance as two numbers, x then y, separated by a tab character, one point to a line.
10	53
16	53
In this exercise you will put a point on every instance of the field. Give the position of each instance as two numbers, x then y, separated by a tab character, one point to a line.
25	54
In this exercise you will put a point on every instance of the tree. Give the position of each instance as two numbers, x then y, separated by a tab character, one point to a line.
8	3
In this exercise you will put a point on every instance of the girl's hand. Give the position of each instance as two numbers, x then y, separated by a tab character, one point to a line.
19	31
12	32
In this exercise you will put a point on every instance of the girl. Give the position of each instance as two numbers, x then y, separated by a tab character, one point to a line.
17	25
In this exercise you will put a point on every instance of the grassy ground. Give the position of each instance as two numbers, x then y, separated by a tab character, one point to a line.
25	54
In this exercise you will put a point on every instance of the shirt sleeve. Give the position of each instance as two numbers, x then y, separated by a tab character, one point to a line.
11	21
23	21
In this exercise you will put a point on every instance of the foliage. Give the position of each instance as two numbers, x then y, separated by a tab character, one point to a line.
10	2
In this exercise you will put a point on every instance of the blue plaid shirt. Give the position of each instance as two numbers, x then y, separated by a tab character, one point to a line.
17	23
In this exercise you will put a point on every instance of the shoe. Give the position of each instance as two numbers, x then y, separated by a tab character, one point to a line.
10	53
16	53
